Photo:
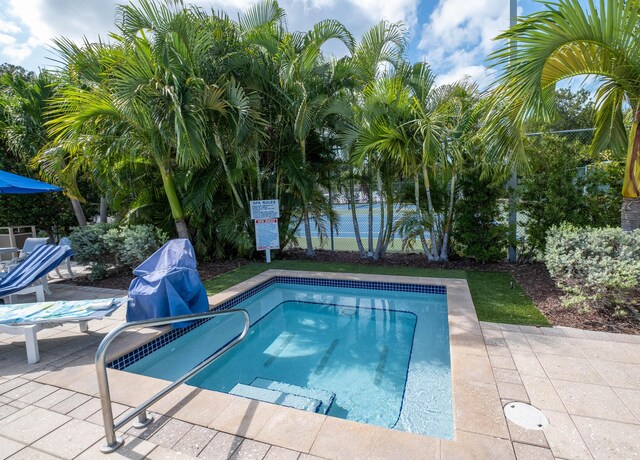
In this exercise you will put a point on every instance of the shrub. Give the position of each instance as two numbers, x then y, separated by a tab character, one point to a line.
597	266
477	232
108	247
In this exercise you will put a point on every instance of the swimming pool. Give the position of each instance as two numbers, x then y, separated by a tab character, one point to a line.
371	352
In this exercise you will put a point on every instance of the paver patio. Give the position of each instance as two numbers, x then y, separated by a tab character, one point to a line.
586	383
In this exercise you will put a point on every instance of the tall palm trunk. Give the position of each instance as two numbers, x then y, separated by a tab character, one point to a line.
227	171
354	216
423	240
103	210
379	244
77	209
630	212
174	201
370	200
432	215
444	251
310	252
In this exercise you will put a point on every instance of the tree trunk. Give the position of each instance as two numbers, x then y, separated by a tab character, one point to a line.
354	216
630	215
307	232
174	202
630	212
378	251
448	219
103	210
234	191
427	187
370	199
77	208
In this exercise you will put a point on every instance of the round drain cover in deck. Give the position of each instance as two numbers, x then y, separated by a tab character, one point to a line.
525	416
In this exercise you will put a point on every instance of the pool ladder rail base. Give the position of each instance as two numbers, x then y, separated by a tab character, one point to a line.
110	425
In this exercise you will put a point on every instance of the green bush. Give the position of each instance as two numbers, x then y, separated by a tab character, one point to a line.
477	232
107	247
597	266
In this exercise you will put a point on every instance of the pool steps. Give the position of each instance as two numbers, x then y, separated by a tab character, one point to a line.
324	396
284	394
276	397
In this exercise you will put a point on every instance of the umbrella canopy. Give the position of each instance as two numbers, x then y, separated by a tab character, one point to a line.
14	184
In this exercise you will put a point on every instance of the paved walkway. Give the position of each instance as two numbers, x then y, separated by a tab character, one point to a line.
587	384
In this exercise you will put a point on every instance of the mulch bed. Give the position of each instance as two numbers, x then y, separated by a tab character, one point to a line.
532	277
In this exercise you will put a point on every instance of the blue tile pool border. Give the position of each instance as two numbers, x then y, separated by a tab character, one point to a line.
128	359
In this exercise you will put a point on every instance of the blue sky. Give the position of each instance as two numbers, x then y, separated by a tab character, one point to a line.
454	36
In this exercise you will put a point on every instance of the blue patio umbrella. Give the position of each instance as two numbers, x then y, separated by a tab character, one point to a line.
14	184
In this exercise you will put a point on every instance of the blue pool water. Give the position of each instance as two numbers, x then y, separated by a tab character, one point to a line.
374	356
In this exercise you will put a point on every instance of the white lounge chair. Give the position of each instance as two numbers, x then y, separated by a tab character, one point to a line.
29	318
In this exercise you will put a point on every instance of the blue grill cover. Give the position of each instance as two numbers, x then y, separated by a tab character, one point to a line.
167	285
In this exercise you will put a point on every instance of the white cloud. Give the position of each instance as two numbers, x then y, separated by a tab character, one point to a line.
34	23
460	35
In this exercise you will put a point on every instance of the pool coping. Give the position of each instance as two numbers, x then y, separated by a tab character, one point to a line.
477	408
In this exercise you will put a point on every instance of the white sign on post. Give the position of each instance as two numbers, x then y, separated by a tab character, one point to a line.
265	209
265	214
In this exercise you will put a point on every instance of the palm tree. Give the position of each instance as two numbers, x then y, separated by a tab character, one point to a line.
567	40
154	103
303	76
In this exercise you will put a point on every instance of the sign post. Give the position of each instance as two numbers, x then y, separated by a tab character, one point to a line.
265	214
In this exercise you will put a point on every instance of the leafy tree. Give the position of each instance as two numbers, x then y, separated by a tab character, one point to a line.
567	40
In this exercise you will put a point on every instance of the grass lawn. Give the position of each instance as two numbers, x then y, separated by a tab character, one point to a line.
493	296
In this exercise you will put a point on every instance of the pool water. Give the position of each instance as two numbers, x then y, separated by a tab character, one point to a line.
377	357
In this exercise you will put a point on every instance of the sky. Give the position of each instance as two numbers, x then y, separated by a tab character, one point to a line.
454	36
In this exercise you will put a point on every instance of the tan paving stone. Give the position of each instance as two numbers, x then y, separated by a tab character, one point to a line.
471	368
164	453
573	332
20	412
70	439
54	398
78	375
69	404
493	350
37	394
564	438
33	425
477	409
486	325
528	364
512	392
524	436
117	409
592	401
221	447
291	428
133	449
193	405
609	350
607	439
6	410
9	385
244	417
618	374
280	453
29	453
533	329
22	390
554	331
631	398
517	341
570	368
542	393
553	345
195	440
170	433
507	376
9	447
86	409
470	446
343	439
250	450
527	452
510	327
502	362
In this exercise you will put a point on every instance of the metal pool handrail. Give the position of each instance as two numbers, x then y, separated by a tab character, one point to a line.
110	425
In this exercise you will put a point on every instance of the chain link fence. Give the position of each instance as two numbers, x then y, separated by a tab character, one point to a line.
339	230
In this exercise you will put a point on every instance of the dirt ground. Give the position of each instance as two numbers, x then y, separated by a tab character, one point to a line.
532	277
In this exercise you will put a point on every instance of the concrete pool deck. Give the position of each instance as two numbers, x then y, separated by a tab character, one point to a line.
586	383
